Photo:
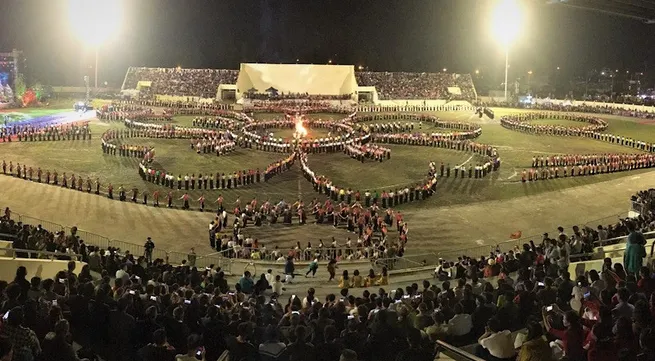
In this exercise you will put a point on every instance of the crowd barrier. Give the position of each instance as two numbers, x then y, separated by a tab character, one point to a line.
433	258
137	250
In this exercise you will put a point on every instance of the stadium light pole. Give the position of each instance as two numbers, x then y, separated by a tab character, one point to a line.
94	22
506	24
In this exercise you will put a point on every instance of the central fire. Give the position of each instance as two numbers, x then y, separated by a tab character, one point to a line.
301	131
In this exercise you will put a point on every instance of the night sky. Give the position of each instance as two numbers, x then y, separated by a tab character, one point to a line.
393	35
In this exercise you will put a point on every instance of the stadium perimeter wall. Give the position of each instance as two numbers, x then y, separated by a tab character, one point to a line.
297	78
596	104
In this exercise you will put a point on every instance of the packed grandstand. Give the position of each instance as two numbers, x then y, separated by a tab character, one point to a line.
204	83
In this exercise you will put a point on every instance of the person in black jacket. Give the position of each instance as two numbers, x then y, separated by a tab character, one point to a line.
159	349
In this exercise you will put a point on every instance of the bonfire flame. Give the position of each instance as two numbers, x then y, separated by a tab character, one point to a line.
301	131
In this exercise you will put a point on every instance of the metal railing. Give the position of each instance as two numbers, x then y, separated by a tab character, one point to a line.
455	353
29	253
103	242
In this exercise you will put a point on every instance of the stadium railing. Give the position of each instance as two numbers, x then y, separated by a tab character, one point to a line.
103	242
42	254
454	353
425	259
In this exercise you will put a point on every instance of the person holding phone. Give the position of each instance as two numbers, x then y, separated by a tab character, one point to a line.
195	350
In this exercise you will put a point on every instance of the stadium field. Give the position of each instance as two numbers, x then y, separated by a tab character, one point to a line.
465	212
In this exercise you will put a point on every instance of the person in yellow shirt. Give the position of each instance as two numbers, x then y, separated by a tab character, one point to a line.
383	280
370	279
344	280
356	280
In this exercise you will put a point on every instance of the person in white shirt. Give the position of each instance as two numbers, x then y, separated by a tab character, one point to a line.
495	342
277	285
461	324
269	276
122	273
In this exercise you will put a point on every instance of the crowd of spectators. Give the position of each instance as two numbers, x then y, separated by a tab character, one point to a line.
275	96
389	85
402	85
181	82
143	309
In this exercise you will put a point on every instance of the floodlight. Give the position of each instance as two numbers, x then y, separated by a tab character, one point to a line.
507	21
94	21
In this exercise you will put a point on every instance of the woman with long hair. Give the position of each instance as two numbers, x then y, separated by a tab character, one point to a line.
569	340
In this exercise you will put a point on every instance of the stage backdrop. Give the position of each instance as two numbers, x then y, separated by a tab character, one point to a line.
297	78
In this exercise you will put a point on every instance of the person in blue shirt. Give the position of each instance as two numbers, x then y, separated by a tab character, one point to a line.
246	282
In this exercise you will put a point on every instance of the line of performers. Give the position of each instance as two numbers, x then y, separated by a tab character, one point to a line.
149	130
221	145
583	165
396	127
480	170
217	122
406	194
464	130
521	122
362	152
216	180
31	133
588	159
40	176
141	115
208	110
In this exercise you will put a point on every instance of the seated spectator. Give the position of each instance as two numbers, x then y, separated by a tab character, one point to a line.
416	351
461	323
246	283
300	349
240	347
356	281
495	343
159	349
271	348
56	345
535	347
194	349
6	349
25	344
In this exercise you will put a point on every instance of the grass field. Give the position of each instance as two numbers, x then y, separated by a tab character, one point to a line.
465	211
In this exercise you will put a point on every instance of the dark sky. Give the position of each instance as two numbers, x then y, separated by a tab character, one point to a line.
394	35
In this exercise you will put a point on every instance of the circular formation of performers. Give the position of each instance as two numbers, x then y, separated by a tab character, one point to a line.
521	122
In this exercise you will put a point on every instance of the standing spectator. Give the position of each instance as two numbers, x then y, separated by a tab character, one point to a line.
634	254
21	281
148	247
571	339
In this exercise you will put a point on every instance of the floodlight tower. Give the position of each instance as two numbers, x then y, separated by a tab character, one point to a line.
506	24
94	22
